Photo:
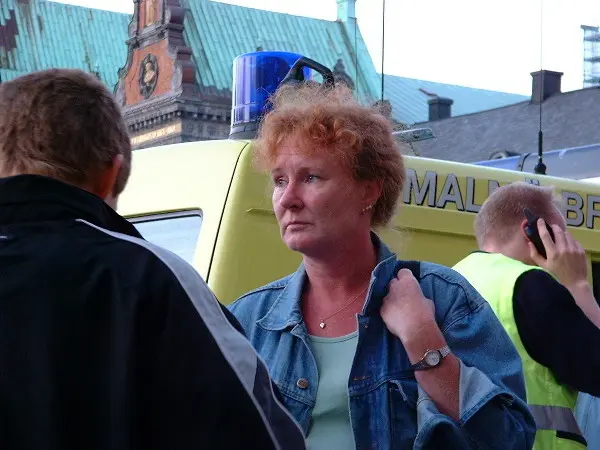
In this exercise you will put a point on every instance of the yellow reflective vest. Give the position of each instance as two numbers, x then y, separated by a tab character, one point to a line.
551	404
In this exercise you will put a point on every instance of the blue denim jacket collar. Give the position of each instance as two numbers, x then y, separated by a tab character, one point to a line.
286	313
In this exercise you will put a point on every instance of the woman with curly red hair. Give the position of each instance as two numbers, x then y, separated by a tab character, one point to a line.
369	351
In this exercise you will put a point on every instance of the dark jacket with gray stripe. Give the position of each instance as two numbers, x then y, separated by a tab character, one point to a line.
108	342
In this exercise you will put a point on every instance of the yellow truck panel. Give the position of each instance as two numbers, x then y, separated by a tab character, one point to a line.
237	246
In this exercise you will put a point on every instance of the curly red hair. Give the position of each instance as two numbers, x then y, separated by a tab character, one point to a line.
330	119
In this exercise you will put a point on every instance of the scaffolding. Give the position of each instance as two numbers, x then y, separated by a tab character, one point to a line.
591	56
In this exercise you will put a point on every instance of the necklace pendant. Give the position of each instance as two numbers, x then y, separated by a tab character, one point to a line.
322	324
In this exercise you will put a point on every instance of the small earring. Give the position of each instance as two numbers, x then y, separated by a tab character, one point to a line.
365	209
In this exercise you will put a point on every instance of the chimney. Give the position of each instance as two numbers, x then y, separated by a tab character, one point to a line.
545	84
346	10
439	108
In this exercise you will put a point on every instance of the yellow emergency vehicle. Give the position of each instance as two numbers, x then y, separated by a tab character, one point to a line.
205	202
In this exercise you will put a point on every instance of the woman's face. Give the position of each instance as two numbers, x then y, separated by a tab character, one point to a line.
317	202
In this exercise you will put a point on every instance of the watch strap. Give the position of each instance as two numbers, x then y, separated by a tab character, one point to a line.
420	365
423	364
444	351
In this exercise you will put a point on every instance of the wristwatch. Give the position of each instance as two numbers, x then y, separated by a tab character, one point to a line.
432	358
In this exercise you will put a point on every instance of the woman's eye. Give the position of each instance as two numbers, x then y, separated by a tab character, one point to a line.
312	178
278	181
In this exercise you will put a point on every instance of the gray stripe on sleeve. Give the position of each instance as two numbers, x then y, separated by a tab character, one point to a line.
236	349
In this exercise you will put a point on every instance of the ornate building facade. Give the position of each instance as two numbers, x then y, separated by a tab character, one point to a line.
170	62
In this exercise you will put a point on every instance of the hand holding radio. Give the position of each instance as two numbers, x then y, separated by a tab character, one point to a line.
565	257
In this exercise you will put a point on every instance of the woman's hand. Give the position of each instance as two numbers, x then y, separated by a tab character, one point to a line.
410	316
406	311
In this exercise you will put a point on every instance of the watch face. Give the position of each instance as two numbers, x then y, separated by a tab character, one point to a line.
432	358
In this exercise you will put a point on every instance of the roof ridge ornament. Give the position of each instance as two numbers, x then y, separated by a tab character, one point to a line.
341	76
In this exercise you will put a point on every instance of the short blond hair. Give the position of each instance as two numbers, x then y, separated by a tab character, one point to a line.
503	211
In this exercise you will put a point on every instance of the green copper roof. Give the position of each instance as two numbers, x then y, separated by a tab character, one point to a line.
218	32
37	34
409	98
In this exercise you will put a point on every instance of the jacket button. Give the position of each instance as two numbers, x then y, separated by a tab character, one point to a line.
302	383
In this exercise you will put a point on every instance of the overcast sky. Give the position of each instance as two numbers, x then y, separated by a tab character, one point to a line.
484	44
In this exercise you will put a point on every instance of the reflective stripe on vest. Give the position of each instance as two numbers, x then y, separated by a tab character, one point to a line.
555	418
551	404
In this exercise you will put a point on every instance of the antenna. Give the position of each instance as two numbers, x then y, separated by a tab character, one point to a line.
356	54
540	167
382	50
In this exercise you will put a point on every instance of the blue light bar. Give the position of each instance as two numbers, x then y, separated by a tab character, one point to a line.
256	76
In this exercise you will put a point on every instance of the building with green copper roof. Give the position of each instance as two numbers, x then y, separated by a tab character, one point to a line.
218	32
39	34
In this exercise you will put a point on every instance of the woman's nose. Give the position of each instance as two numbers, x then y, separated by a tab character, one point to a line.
290	197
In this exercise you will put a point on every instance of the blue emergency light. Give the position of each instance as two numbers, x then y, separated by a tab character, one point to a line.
256	76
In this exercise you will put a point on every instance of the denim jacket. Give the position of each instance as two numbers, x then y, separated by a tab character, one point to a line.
587	412
388	409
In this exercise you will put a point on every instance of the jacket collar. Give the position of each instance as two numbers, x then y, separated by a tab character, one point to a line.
286	310
35	198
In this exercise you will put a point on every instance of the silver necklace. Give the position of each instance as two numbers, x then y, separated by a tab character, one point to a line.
322	323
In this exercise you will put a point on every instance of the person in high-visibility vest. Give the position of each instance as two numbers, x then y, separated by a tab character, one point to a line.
546	305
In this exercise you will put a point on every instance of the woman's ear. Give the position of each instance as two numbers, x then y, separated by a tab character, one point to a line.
372	191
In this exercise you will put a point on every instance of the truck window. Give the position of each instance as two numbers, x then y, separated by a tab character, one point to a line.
596	279
177	232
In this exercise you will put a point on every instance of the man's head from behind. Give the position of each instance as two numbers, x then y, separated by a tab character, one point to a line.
66	125
500	224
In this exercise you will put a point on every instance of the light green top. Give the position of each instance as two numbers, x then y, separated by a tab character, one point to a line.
330	427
